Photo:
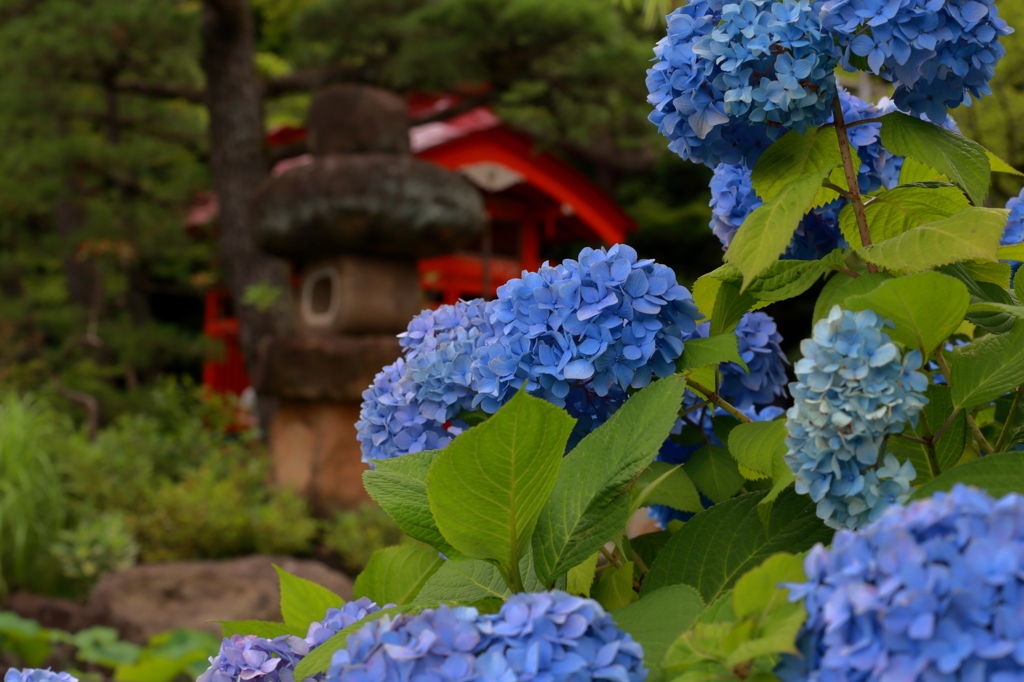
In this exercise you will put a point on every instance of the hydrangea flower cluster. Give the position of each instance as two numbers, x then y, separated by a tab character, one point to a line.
936	53
759	346
853	390
550	636
37	675
557	636
931	591
433	646
1013	233
729	76
607	319
248	657
578	334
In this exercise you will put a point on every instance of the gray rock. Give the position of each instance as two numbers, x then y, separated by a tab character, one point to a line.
371	204
357	119
152	598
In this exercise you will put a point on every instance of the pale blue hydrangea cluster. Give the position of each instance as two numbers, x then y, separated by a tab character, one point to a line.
546	636
853	390
578	334
932	591
37	675
248	657
937	53
1014	231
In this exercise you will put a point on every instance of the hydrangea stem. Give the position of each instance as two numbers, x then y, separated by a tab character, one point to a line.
846	151
1009	418
718	400
983	443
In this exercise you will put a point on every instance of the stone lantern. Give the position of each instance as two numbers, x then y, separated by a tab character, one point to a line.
353	222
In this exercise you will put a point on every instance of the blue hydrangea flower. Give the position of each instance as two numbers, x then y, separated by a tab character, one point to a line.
248	657
852	391
1014	231
37	675
606	320
931	591
437	645
337	619
936	53
729	76
556	637
390	421
759	348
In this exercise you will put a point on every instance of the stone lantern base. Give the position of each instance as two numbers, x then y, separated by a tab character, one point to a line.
319	382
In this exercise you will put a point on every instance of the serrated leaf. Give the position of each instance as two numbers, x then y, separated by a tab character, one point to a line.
987	368
962	160
463	581
777	635
395	575
991	273
757	592
614	589
1018	288
1012	252
756	444
897	210
972	234
767	231
786	279
794	155
705	291
714	548
399	486
998	474
303	601
580	578
926	308
488	487
950	445
730	307
319	659
714	472
657	620
590	502
914	171
985	306
672	488
841	287
260	628
712	350
1000	166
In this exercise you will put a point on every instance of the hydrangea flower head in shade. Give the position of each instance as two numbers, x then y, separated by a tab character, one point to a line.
337	619
759	340
37	675
853	389
437	645
931	591
248	657
556	637
1013	233
605	320
936	53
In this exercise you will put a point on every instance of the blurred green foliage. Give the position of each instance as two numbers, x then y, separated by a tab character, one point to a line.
354	535
98	652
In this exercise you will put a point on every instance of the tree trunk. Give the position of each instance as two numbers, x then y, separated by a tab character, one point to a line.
238	164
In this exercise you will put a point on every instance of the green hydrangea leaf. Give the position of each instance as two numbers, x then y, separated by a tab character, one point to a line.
713	470
303	601
794	155
580	578
756	444
998	474
972	234
657	620
950	445
614	589
897	210
667	484
841	287
987	368
395	575
712	350
260	628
